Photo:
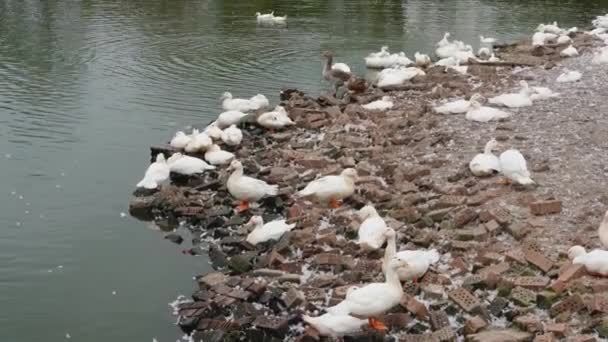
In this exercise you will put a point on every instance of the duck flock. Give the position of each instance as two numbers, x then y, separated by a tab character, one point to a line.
363	305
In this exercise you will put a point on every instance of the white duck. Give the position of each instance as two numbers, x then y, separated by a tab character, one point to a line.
444	41
484	53
549	28
199	142
335	325
563	39
449	61
569	76
261	18
570	51
247	189
602	231
371	230
156	173
254	103
278	20
276	119
213	131
332	188
458	106
397	76
486	163
480	113
601	57
542	93
514	100
180	140
263	232
187	165
385	103
384	59
487	40
417	262
595	262
375	298
422	60
541	38
216	156
228	118
493	58
270	19
232	136
513	166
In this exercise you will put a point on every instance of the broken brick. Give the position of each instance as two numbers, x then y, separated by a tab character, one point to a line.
439	319
463	217
557	329
570	272
532	283
599	303
573	303
414	306
529	323
474	324
464	299
546	207
538	260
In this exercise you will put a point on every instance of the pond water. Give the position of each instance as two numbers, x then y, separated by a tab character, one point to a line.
87	85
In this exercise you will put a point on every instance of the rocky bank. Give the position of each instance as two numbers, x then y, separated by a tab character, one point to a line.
503	275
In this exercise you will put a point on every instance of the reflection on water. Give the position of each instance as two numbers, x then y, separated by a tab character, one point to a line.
87	85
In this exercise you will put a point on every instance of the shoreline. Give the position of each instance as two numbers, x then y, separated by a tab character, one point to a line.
502	260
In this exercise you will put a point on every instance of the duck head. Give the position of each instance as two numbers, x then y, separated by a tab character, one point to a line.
575	251
390	234
226	95
367	212
491	145
255	221
257	14
525	89
327	54
174	157
235	165
349	173
396	263
214	148
160	158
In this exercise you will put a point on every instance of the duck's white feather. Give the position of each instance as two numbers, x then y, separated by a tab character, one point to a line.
513	165
156	173
372	229
245	188
187	165
335	325
383	104
486	163
216	156
330	187
180	140
232	136
272	230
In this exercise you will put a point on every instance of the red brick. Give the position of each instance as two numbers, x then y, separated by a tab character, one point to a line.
599	303
546	207
538	260
529	323
549	337
474	324
517	255
558	329
571	271
464	299
414	306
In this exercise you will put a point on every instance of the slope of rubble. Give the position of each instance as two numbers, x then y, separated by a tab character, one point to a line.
503	275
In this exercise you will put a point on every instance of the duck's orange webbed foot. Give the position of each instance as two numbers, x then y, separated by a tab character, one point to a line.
243	206
377	325
334	203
